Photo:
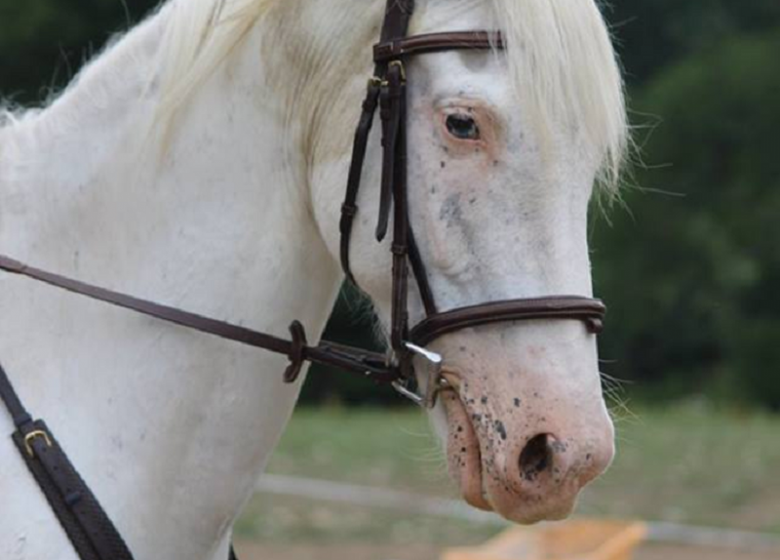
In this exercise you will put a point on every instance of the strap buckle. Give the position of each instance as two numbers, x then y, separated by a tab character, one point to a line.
401	68
424	396
28	439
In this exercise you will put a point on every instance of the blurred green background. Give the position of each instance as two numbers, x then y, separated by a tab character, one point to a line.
688	261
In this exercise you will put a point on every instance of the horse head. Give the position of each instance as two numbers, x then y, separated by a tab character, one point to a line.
503	149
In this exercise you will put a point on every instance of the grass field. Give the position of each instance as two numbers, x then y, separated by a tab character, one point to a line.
687	463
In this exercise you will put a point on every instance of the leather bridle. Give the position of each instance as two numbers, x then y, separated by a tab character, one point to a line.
386	92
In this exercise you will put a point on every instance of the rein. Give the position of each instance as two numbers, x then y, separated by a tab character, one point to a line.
348	359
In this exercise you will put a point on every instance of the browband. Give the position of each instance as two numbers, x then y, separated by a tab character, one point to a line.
427	43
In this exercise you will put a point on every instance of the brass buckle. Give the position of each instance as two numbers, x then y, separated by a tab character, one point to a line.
382	82
434	382
401	67
31	436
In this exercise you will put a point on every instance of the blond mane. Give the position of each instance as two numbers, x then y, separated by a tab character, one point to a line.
559	53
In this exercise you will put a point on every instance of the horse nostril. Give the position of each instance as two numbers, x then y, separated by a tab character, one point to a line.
537	456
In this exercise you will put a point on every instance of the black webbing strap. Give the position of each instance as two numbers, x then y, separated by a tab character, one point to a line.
93	535
19	414
89	529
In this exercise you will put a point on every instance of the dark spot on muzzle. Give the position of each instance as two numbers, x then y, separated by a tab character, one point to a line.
499	425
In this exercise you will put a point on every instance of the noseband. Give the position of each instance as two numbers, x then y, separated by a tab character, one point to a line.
386	92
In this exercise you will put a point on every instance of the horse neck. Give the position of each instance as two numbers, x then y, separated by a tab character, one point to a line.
216	222
201	210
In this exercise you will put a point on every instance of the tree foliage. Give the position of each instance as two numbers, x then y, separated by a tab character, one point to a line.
44	42
692	270
651	34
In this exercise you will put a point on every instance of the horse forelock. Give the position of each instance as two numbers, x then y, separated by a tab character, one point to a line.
559	54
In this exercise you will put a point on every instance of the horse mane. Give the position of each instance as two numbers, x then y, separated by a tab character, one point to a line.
560	56
199	36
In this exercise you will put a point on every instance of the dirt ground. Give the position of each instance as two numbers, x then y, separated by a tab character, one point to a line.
252	551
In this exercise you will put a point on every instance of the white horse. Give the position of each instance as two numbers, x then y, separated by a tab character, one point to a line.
201	161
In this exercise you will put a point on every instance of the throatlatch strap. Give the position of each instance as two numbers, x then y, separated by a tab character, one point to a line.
349	208
395	26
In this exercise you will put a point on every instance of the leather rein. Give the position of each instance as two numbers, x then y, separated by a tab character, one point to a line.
387	93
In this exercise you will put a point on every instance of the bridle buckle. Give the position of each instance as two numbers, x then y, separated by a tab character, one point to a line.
409	387
28	439
401	68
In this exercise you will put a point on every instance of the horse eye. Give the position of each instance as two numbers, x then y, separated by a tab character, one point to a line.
463	127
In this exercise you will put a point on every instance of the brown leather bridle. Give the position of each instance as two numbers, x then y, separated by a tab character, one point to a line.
386	91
